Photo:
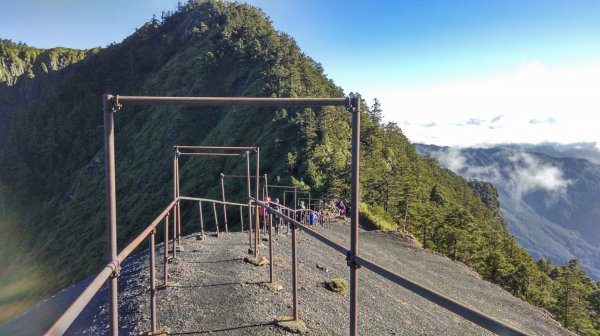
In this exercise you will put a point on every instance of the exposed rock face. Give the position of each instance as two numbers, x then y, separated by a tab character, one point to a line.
27	73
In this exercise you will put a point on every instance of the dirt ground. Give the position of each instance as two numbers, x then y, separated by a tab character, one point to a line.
216	292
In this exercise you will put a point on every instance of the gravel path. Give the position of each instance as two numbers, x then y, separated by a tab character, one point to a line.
216	292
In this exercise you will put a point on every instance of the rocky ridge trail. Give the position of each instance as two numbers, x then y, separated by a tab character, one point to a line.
216	292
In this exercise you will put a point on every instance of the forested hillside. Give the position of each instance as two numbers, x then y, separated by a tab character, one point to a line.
52	155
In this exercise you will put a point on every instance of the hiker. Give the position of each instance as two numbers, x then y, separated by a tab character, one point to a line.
265	214
275	205
312	218
322	217
301	215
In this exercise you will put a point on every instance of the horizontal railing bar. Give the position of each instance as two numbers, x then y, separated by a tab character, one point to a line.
246	148
240	176
321	237
142	236
185	198
209	154
460	309
228	101
277	186
439	299
66	319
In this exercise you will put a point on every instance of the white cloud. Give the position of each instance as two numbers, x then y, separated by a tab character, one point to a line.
522	174
528	175
560	101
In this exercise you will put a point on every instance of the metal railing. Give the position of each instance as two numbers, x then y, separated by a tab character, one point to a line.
112	104
112	269
448	303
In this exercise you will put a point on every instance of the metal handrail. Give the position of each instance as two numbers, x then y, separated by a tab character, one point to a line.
66	319
187	198
441	300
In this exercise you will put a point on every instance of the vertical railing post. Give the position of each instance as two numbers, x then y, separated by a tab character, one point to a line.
201	220
294	273
256	224
242	219
262	198
111	206
224	205
271	261
175	173
249	201
174	233
355	205
216	217
266	193
178	203
152	281
166	268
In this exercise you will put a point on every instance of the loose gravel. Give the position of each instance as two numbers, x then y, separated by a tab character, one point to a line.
216	292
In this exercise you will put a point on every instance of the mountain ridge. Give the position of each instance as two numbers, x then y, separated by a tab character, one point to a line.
51	161
555	238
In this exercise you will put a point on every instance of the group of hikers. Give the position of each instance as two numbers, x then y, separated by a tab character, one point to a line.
320	217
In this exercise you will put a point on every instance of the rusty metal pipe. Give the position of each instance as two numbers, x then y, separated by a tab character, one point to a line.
242	218
237	176
178	206
166	259
201	219
227	101
276	186
216	217
140	238
249	196
174	233
224	204
66	319
256	224
111	207
217	147
175	178
355	196
458	308
266	186
199	199
315	234
152	282
209	154
294	274
271	261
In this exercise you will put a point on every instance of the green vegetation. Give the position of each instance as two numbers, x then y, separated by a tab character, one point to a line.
51	158
374	217
337	285
18	59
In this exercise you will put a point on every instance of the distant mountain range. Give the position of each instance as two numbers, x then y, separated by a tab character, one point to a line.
548	193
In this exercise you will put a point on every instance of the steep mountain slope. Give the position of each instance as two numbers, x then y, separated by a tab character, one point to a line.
26	73
52	162
550	202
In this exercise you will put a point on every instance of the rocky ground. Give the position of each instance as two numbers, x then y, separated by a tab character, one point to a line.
216	292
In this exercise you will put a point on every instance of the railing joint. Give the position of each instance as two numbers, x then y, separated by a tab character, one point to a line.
116	269
115	106
350	260
352	104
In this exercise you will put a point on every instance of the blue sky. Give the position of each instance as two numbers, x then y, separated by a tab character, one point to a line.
448	72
